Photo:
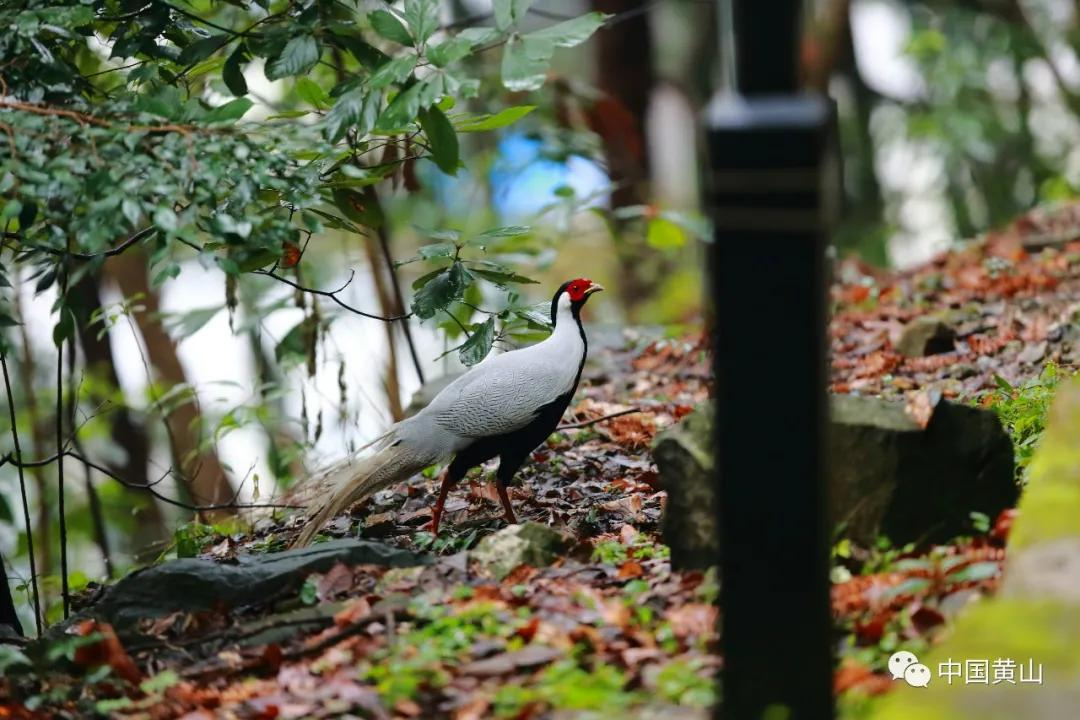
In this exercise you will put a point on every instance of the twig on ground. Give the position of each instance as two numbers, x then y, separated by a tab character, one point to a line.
588	423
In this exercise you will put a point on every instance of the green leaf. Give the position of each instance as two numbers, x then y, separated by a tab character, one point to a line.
394	71
170	270
509	12
502	279
7	321
525	63
351	109
299	55
11	656
293	348
232	73
165	219
423	279
534	316
423	17
445	234
131	209
449	51
186	324
64	328
504	232
160	682
479	343
356	208
437	250
572	32
365	53
443	288
27	214
402	109
501	119
164	102
312	93
442	139
387	25
976	572
230	112
664	234
309	591
202	49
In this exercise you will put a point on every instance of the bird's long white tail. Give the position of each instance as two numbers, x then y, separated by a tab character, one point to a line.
351	481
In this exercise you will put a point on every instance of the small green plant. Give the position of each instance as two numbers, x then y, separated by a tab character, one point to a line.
417	662
190	538
613	552
567	686
609	552
446	544
1022	410
683	682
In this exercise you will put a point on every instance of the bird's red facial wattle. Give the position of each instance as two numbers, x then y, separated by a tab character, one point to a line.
581	288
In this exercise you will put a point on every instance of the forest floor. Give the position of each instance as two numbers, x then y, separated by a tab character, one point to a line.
609	626
1013	301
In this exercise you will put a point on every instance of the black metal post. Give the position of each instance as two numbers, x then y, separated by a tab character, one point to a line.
770	153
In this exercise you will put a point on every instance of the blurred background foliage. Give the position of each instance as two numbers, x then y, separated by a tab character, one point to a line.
212	205
955	116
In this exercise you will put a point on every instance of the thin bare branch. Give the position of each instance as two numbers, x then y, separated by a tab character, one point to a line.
589	423
25	502
149	487
333	295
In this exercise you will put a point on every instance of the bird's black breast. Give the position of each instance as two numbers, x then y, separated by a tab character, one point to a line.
513	447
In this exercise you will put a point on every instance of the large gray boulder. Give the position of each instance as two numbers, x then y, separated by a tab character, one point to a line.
888	475
684	456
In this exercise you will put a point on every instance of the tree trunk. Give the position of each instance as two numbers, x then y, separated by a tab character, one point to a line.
204	479
625	76
38	447
125	431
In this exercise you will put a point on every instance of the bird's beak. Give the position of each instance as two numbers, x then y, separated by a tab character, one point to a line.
595	287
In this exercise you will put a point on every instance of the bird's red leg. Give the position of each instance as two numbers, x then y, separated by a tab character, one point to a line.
444	488
505	501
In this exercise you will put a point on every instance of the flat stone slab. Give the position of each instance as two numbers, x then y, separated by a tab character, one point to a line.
192	584
890	476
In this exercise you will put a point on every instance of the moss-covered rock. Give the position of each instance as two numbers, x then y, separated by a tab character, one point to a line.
526	544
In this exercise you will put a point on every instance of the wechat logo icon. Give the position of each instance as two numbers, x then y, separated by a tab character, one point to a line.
905	666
